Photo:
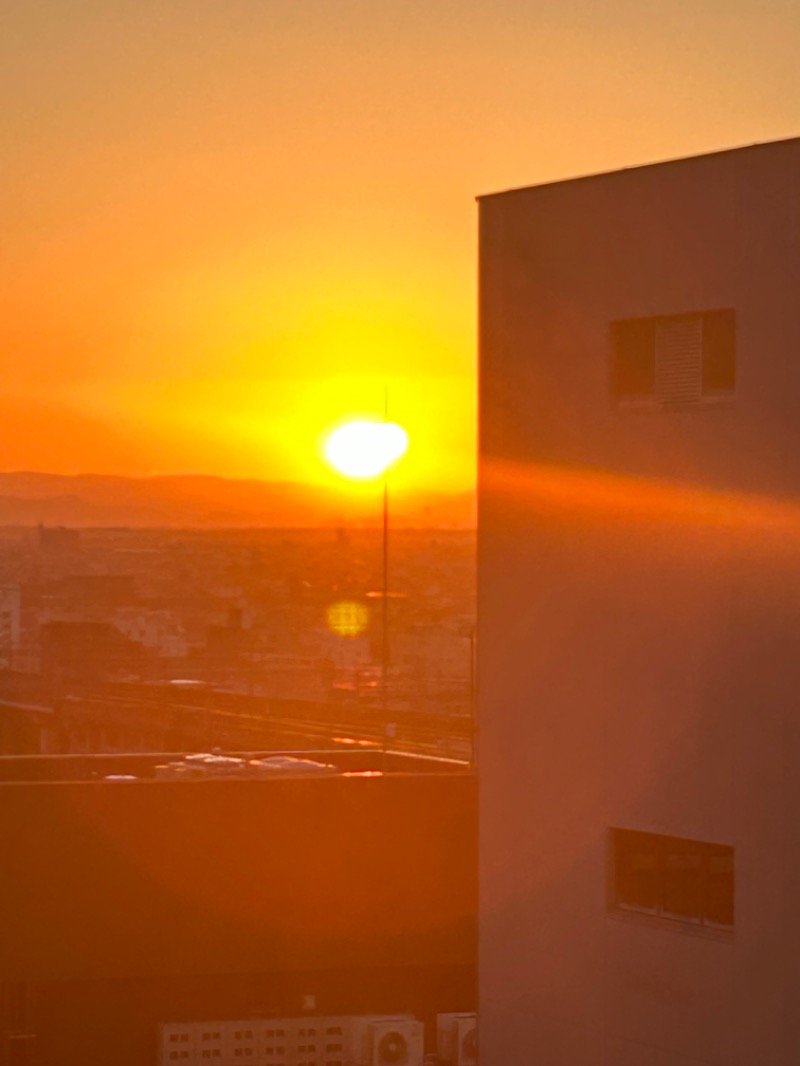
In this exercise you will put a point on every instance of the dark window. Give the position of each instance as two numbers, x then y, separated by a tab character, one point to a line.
682	880
719	886
634	367
719	351
636	873
674	359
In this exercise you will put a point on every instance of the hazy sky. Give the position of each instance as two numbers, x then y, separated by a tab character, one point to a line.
226	223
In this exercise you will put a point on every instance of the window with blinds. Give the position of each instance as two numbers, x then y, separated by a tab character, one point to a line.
674	359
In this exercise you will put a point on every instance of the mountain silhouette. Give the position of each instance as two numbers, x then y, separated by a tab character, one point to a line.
194	500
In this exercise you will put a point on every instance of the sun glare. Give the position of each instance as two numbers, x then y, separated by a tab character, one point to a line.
364	449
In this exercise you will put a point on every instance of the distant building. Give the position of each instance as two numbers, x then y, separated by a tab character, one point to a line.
58	539
10	626
84	652
97	595
639	616
158	630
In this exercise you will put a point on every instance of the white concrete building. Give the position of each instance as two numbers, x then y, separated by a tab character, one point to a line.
639	616
158	630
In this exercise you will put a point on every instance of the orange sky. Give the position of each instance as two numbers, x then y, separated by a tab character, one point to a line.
227	225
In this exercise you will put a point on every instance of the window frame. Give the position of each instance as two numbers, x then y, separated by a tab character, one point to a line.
659	913
724	321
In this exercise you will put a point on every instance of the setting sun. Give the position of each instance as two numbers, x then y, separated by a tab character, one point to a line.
364	449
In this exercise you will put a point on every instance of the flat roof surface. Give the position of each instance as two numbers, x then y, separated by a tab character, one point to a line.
754	147
120	768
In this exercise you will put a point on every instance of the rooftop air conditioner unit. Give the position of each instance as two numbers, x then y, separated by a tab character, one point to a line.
387	1041
457	1039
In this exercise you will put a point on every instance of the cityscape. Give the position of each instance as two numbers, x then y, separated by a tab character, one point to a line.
399	533
261	618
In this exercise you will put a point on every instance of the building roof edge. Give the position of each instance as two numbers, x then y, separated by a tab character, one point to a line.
755	145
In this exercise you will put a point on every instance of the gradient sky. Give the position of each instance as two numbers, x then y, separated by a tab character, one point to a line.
225	225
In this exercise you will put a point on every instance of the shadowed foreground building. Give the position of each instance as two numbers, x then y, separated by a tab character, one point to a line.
639	607
135	907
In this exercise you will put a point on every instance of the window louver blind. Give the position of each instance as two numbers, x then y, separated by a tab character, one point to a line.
679	359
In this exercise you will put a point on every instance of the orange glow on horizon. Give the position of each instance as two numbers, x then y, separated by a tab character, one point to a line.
222	221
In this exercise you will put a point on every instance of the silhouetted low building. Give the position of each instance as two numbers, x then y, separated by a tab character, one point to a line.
58	540
86	652
131	902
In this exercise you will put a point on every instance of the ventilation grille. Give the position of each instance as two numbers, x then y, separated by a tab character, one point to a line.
679	359
674	360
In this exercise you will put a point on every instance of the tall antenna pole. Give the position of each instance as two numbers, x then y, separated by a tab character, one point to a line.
385	597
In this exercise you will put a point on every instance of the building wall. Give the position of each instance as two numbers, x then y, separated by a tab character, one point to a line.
129	904
107	880
639	615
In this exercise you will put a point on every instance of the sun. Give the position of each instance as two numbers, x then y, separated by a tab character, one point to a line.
365	449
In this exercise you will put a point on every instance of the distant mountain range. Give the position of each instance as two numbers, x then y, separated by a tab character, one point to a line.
194	500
